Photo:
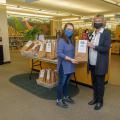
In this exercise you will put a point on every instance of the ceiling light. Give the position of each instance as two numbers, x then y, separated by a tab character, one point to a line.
27	14
109	15
71	5
27	1
110	1
2	1
71	19
115	2
40	11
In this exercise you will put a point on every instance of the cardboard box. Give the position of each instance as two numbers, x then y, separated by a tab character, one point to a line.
81	51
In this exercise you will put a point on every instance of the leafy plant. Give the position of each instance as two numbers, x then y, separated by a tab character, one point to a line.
16	23
31	34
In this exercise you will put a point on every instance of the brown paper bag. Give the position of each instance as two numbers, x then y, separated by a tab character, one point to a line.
41	52
42	75
56	76
52	76
81	51
48	76
51	49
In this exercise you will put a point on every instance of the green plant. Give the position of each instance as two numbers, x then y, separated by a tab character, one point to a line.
16	23
31	34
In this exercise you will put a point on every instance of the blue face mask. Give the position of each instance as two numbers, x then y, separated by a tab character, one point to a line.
68	33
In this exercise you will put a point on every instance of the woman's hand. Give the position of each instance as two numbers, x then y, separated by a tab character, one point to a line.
74	61
71	60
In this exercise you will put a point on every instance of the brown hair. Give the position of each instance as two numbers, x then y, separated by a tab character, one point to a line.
65	37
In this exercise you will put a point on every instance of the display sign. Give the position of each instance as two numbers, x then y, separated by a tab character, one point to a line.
82	45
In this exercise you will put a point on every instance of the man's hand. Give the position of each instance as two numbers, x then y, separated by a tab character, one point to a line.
90	45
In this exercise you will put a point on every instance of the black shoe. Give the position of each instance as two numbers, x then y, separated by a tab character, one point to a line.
62	103
92	102
98	106
68	99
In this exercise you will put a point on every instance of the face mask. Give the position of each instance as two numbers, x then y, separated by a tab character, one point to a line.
98	25
68	33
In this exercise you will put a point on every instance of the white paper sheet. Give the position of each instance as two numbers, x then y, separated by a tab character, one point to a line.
41	47
41	37
28	43
48	74
48	47
42	73
82	46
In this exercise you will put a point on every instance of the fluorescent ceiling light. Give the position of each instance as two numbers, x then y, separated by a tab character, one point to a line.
54	13
110	1
115	2
79	18
26	14
2	1
34	10
27	0
70	19
109	15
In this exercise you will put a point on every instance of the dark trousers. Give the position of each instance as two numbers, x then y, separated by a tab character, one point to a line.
98	85
62	84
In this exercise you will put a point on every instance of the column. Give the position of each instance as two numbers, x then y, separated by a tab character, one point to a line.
56	24
4	33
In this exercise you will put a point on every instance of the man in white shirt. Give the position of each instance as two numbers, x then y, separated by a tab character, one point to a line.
95	41
99	59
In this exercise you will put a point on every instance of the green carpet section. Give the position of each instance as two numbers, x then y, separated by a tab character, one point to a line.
23	81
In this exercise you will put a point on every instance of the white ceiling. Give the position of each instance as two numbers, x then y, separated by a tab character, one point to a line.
79	7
